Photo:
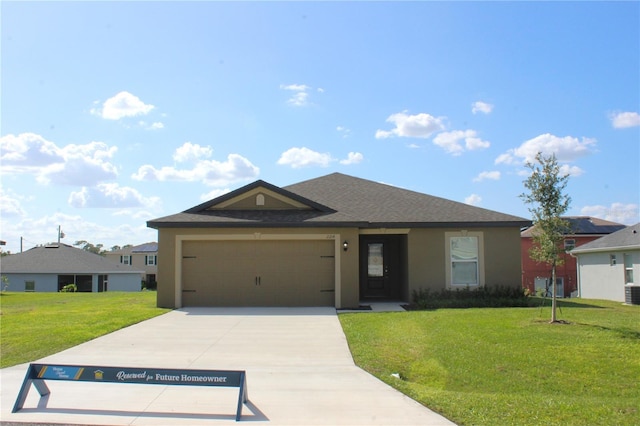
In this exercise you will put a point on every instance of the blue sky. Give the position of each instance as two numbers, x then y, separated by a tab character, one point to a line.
115	113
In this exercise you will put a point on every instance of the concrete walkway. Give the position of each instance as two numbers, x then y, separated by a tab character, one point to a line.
299	372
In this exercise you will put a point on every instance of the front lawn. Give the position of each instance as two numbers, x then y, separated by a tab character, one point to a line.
35	325
509	366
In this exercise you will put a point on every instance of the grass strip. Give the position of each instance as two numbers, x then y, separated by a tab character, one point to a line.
509	366
35	325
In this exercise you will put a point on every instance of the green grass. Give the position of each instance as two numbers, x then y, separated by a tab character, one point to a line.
35	325
509	366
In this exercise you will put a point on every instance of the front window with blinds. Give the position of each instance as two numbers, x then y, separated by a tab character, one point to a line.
464	261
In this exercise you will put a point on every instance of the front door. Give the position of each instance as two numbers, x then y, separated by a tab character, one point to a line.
380	267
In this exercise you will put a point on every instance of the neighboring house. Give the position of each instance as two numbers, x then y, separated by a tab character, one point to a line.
143	256
609	267
536	276
336	241
51	267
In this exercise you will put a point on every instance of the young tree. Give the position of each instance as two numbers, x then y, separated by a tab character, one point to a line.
87	246
548	204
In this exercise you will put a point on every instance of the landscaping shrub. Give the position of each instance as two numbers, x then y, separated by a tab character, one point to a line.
482	297
149	285
69	288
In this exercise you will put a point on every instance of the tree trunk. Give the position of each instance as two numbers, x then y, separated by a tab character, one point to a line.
553	296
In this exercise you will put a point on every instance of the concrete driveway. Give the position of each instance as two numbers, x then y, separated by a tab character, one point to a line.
299	372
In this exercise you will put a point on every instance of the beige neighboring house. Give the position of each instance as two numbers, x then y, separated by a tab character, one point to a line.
142	257
336	240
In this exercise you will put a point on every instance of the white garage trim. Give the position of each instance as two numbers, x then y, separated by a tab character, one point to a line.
256	236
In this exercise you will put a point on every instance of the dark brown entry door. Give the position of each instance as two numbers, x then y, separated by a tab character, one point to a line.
380	268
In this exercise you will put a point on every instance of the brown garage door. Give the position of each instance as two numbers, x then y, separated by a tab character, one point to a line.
258	273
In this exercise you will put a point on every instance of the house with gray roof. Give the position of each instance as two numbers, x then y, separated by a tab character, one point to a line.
609	267
336	240
49	268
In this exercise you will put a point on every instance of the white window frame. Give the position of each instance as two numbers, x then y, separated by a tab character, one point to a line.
151	259
628	268
569	244
125	259
479	261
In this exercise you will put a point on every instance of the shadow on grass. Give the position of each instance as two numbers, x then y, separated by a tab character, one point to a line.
563	303
623	332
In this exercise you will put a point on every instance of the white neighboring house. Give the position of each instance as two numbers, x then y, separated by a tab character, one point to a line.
609	267
51	267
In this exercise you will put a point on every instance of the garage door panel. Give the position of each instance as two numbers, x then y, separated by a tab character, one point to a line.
263	273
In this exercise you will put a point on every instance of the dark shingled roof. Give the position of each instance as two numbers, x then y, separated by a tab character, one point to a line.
349	201
61	259
627	238
584	225
141	248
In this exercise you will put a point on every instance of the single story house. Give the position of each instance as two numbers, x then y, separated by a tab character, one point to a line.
609	267
49	268
143	256
536	276
336	240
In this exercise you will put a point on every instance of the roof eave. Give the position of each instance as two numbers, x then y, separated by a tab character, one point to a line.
338	224
580	250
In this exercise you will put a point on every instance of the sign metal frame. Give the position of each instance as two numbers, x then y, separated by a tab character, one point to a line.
37	374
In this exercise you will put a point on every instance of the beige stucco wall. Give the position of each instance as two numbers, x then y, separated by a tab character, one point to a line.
428	263
503	262
426	257
347	262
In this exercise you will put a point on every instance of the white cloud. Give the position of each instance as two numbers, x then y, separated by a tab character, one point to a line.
493	175
482	107
573	171
473	200
344	131
214	194
623	120
352	158
210	172
300	96
411	126
451	141
192	152
302	157
10	204
27	152
628	214
110	195
84	165
157	125
295	87
566	149
44	229
124	104
72	164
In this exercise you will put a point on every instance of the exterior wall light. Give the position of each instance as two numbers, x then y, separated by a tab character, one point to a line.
345	245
